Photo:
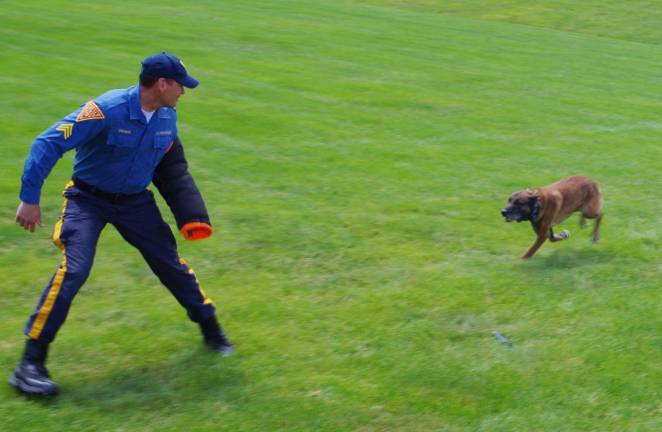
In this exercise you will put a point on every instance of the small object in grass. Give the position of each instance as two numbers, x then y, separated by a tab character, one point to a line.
504	340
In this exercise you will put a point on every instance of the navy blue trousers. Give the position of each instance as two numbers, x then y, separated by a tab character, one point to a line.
139	221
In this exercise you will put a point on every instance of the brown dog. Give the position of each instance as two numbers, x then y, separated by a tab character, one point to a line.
547	206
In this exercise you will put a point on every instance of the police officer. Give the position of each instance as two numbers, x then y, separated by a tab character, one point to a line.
124	139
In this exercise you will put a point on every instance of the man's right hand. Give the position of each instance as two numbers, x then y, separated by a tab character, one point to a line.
28	216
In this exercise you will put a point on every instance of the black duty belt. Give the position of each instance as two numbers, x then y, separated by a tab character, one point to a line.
111	196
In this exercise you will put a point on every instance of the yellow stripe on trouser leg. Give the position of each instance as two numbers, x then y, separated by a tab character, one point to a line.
206	300
47	307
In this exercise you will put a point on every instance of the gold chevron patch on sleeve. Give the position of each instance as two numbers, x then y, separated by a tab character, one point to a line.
90	111
66	129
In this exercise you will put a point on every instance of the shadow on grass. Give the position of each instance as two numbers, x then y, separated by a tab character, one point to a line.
196	376
568	259
44	401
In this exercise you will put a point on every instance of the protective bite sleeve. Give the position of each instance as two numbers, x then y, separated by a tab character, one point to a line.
180	192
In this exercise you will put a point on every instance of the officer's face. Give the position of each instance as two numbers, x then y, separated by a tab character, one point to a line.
171	90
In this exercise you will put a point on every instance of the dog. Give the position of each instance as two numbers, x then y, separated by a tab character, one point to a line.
550	205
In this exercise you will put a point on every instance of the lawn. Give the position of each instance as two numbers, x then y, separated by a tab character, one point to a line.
354	156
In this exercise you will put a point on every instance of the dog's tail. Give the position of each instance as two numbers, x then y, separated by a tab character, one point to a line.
601	201
596	194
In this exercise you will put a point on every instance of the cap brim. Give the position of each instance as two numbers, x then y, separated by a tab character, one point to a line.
188	81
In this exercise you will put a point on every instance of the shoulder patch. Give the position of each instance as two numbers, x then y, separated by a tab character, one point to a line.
90	111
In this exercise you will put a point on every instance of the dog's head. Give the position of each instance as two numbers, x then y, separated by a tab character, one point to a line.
522	205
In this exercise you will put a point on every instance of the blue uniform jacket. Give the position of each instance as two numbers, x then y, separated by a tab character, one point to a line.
116	149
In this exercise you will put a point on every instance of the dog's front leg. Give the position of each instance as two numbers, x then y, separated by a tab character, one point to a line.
542	229
540	239
561	236
535	226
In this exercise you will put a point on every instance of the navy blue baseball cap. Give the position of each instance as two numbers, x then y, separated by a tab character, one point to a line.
167	65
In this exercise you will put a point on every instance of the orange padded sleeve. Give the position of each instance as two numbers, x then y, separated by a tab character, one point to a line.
196	230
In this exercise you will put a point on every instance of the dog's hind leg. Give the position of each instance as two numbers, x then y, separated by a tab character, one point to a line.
596	229
593	211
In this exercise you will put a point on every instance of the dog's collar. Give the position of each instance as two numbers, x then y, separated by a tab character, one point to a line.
535	211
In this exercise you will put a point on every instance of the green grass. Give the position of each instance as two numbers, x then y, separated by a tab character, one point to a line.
354	157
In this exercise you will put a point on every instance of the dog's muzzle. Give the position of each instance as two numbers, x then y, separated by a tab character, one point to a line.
509	216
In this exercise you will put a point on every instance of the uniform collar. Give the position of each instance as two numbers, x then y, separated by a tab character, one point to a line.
135	110
164	112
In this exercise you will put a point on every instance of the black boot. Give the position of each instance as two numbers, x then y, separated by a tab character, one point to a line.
31	376
215	338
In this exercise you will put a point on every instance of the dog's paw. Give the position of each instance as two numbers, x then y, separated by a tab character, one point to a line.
565	234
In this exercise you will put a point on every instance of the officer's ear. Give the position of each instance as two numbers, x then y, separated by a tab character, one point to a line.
161	84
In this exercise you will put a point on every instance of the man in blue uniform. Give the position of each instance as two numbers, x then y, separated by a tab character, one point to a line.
124	139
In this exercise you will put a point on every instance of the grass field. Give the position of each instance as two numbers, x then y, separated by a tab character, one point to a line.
354	157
